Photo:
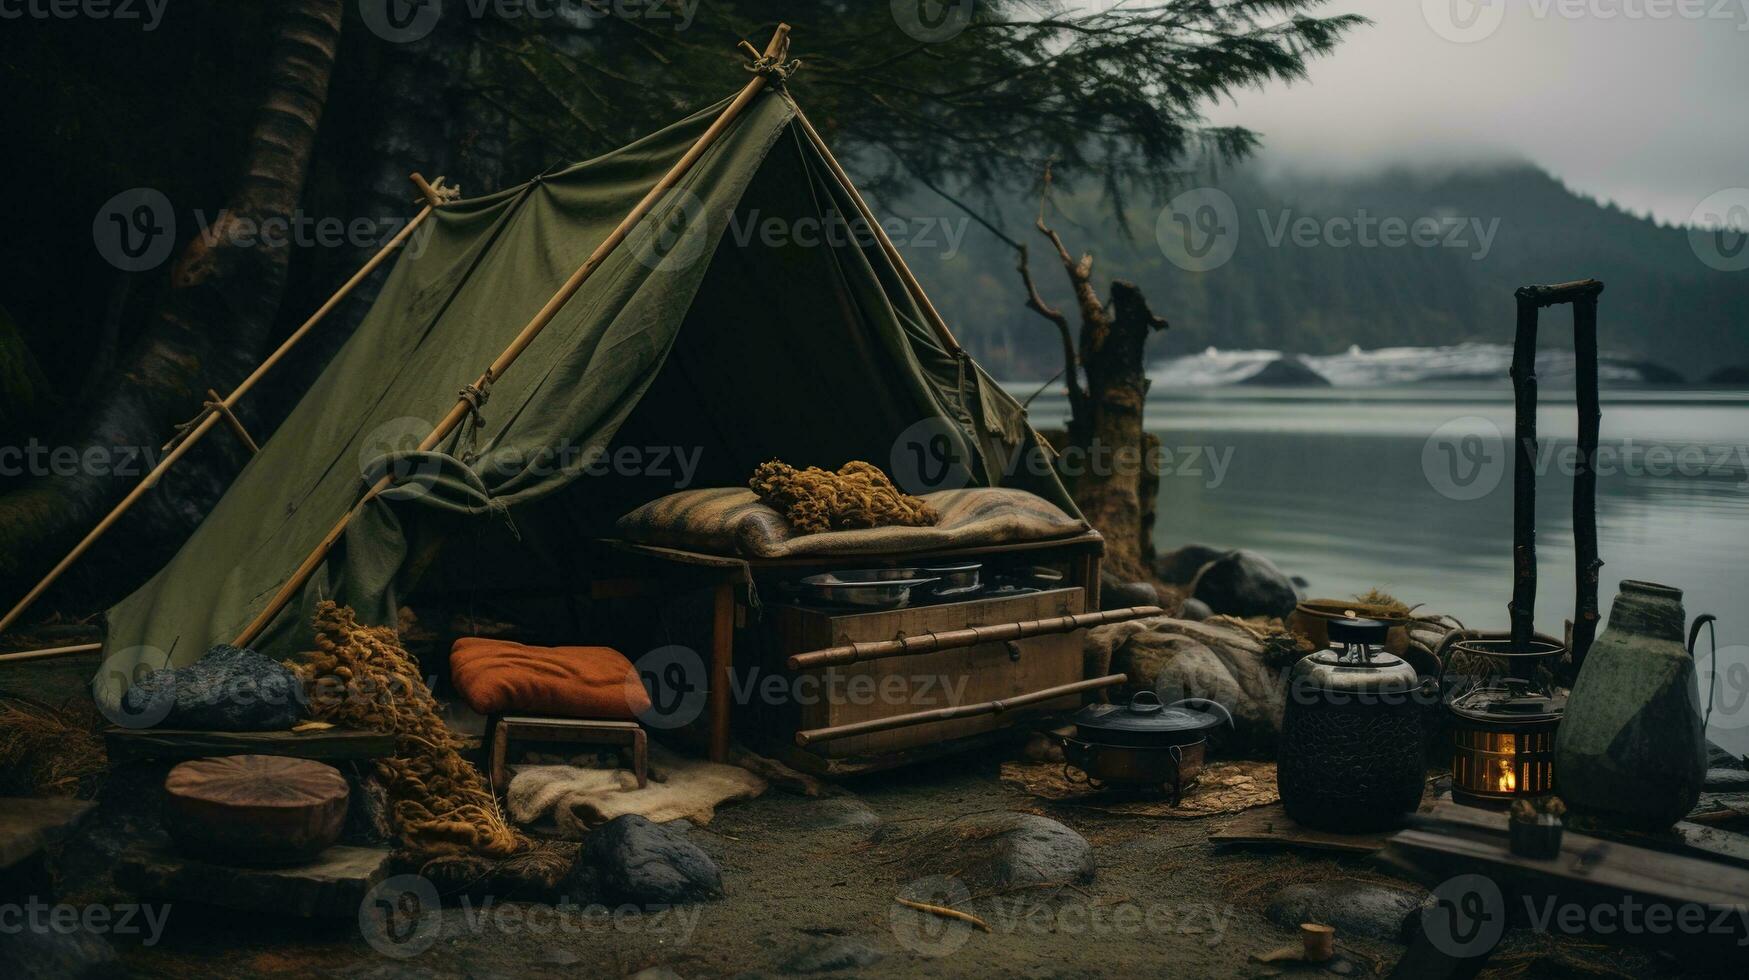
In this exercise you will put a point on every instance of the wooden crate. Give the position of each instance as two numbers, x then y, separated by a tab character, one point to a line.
844	695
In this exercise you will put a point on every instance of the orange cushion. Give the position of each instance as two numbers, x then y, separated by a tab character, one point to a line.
499	677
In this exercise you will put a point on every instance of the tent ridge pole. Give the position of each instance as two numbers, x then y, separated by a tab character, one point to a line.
211	416
301	576
915	287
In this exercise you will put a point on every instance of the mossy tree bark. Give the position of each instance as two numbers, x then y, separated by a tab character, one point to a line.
213	325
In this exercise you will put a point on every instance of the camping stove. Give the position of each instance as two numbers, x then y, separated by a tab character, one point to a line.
1503	744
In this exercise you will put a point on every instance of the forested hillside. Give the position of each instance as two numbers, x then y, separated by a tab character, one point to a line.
1295	286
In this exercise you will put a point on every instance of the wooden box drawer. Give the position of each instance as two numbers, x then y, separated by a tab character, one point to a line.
841	695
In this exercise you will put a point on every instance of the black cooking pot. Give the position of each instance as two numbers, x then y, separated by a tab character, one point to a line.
1142	745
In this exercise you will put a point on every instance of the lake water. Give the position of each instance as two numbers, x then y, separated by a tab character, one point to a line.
1410	489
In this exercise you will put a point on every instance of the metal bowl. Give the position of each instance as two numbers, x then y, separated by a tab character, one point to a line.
955	579
863	588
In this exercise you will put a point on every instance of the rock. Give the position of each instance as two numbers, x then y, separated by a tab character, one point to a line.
998	852
1726	781
1244	584
631	860
826	955
1181	565
1178	658
46	953
1287	372
1195	610
1353	906
1719	757
1116	594
228	690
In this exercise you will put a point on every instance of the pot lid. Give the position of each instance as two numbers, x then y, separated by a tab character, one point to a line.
1354	630
1146	715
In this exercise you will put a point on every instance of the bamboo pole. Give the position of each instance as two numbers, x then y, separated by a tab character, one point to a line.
463	406
887	246
23	655
912	646
179	447
812	735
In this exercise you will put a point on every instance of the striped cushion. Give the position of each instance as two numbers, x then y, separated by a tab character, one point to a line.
732	521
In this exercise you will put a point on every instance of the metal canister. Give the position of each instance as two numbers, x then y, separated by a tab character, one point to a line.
1351	757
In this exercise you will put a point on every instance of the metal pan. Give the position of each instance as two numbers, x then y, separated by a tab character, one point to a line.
867	589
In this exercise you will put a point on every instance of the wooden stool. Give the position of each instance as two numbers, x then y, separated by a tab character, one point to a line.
578	730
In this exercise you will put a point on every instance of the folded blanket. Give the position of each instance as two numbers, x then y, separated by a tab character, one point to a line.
571	800
500	677
733	521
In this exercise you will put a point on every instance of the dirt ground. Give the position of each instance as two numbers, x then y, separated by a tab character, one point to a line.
816	878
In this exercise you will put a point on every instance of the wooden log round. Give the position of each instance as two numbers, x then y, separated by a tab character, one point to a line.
255	809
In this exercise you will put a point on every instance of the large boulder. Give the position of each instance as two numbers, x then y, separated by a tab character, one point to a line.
228	690
1245	584
1180	565
630	860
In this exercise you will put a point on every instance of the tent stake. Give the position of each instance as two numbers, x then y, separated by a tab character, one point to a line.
463	406
179	446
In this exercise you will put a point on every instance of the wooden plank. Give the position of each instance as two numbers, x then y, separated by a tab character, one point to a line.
137	745
1089	541
1694	840
1271	826
29	825
331	886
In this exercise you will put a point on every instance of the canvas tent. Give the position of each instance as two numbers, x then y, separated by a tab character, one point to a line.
699	331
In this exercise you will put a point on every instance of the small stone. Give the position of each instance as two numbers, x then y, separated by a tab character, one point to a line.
1195	610
48	954
631	860
1726	781
826	955
1117	594
835	813
1354	907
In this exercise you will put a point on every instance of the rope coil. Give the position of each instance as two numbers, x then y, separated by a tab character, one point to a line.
776	69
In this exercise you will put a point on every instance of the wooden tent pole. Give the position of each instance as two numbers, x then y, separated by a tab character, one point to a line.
463	406
935	319
179	447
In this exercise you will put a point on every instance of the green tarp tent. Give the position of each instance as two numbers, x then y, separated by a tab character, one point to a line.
740	322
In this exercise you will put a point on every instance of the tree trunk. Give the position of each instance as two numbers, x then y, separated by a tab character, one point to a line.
1109	490
213	326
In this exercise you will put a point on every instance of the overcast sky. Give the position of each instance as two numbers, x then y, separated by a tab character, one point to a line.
1648	107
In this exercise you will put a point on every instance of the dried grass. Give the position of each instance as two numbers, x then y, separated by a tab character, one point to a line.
47	750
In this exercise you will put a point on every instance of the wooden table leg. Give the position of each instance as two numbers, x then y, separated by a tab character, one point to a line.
500	749
722	659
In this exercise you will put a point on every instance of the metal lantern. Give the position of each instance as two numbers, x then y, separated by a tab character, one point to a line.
1503	745
1350	756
